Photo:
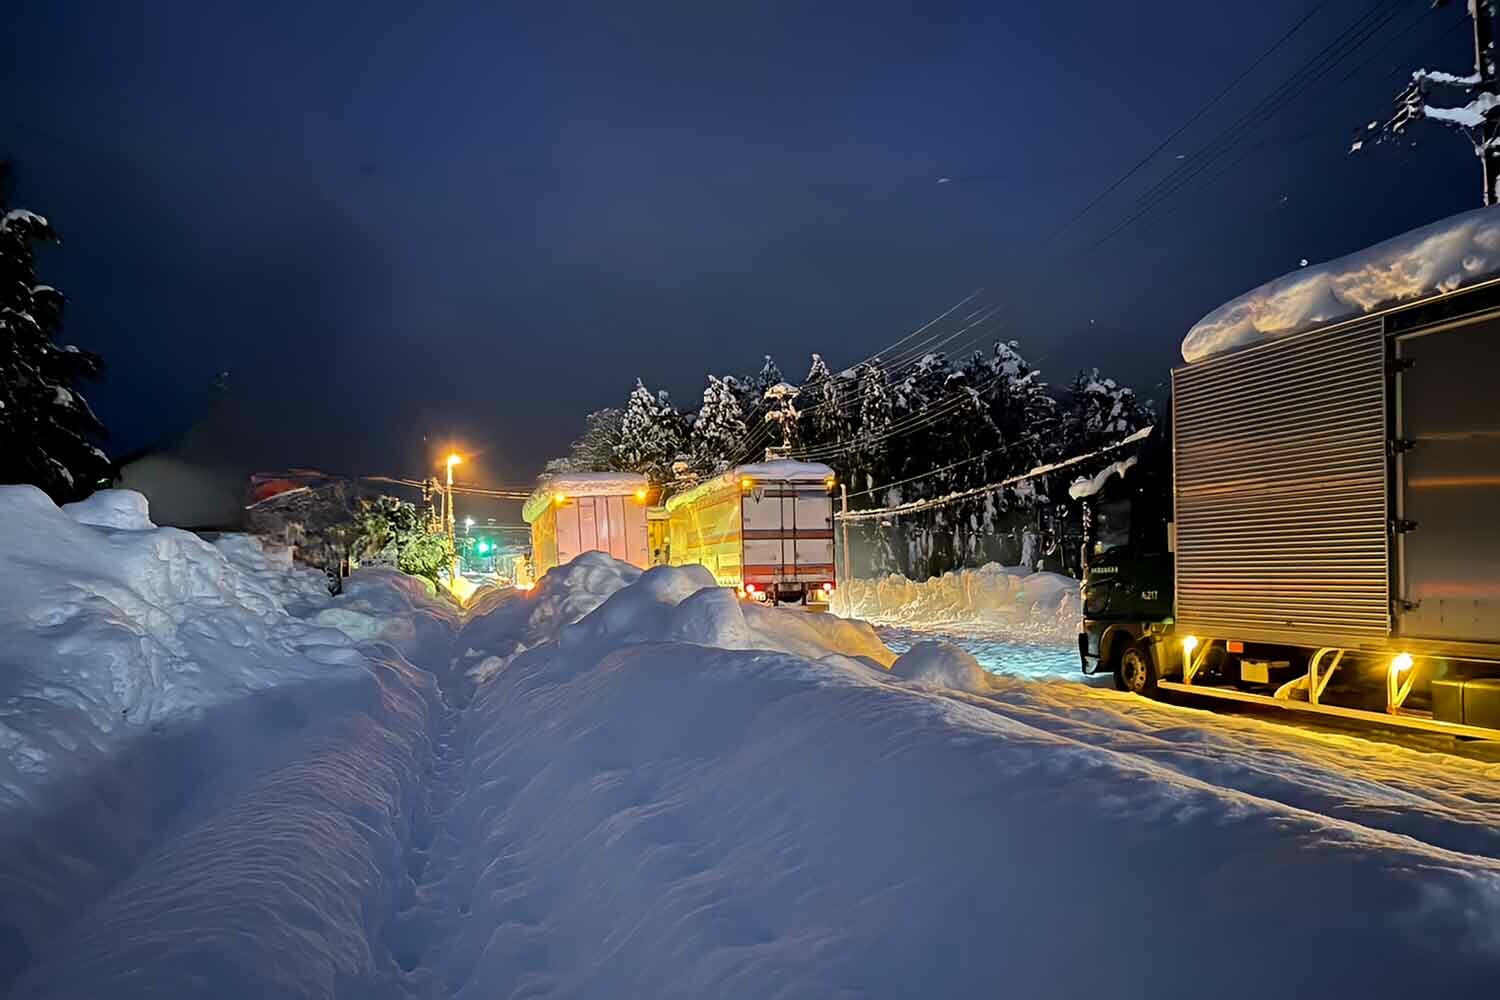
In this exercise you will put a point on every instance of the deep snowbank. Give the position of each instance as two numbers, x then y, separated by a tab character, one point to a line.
203	791
1451	253
650	815
658	790
1034	603
108	631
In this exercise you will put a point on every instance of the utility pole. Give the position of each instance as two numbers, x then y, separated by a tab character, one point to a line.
844	505
453	459
1479	120
1483	14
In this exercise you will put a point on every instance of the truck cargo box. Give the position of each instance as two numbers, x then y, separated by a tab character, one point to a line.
1341	487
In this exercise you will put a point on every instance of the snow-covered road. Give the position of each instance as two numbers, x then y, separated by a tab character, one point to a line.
636	786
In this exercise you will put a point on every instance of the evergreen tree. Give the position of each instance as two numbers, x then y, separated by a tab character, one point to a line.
595	450
825	398
652	434
47	430
769	375
875	414
1098	412
718	434
1023	412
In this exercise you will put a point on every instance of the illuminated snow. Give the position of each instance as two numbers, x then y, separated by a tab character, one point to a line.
1460	250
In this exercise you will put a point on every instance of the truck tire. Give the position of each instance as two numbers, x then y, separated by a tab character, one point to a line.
1135	670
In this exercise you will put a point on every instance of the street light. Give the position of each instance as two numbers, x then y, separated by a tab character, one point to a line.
454	458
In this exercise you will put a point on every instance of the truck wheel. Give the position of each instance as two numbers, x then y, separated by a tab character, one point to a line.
1136	671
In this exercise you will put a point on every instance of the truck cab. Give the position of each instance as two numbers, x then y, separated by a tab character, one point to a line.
1127	562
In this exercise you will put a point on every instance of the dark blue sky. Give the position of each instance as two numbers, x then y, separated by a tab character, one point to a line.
482	220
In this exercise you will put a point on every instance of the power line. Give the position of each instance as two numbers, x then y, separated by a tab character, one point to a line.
1203	110
1314	69
917	506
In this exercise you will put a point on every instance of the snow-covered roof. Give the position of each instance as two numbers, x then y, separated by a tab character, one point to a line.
1460	250
581	484
776	468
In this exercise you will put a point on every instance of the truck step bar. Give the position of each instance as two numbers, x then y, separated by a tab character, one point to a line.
1402	719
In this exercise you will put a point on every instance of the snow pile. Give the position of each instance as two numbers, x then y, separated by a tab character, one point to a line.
105	632
652	817
122	509
386	605
503	623
261	853
1457	251
299	588
621	603
1041	603
940	665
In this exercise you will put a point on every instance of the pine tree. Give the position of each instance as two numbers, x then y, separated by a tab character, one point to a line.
1023	412
595	450
47	430
651	435
825	397
769	375
718	434
875	414
1099	412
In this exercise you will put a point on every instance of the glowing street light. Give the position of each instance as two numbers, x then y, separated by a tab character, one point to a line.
454	458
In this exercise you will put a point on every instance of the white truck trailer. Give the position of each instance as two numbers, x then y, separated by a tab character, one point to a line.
588	511
1332	538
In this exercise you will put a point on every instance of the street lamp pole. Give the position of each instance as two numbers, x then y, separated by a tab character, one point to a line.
454	459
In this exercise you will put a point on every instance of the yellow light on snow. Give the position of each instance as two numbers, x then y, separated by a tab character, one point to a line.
1189	643
1400	663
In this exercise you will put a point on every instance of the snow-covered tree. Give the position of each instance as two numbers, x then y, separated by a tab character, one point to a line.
875	414
825	400
1098	412
718	435
652	434
595	450
768	376
47	430
781	414
1022	410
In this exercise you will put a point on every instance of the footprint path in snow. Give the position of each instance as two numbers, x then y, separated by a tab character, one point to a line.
429	911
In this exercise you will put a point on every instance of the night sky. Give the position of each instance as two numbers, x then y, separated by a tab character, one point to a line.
479	221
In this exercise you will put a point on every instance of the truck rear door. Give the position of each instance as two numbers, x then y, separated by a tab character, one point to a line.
788	533
1449	483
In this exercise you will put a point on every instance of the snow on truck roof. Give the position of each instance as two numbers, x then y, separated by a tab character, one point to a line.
778	468
1460	250
581	484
